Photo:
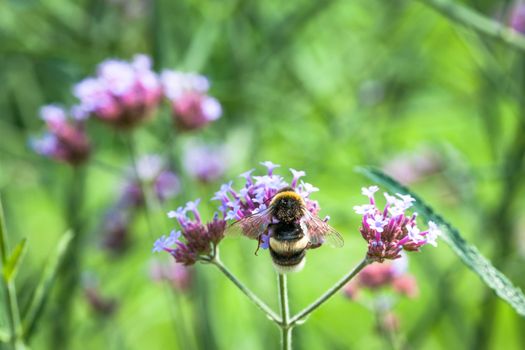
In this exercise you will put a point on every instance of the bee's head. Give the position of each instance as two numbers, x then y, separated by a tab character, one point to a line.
287	205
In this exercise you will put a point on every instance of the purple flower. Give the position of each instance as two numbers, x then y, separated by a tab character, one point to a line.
205	163
152	171
257	192
200	239
517	18
122	94
390	230
192	107
166	243
65	139
178	275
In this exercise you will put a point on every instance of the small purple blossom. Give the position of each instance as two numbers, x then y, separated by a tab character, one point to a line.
122	94
391	230
204	162
517	17
166	243
192	107
151	171
65	139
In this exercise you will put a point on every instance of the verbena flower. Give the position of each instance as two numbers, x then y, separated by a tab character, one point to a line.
517	17
257	193
195	240
390	230
178	275
115	231
409	168
192	107
151	171
204	162
65	139
122	94
381	277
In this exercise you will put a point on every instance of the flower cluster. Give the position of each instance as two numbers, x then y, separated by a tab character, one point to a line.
377	277
200	240
205	163
390	230
122	94
150	170
65	140
258	191
192	107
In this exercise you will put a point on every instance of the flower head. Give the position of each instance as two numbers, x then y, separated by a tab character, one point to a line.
121	94
379	277
192	107
200	239
390	230
204	162
150	170
517	17
65	139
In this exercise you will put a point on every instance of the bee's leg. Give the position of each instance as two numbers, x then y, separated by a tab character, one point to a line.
258	244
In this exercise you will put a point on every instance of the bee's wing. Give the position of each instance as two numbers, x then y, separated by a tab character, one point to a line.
251	226
320	232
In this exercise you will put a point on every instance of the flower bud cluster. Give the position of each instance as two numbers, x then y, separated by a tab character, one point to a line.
122	94
65	139
377	277
390	230
200	239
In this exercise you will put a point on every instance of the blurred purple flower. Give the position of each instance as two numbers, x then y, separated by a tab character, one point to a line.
115	230
517	17
152	171
376	277
65	139
178	275
192	107
412	167
204	162
390	230
122	94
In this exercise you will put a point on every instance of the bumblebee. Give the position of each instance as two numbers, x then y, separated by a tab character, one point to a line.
291	229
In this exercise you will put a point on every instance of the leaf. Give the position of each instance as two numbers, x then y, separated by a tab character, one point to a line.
14	260
3	236
44	286
4	336
468	253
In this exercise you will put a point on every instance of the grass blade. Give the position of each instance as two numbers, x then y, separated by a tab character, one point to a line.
3	236
468	253
13	262
44	286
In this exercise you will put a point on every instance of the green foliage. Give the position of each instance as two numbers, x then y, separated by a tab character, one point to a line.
468	253
14	260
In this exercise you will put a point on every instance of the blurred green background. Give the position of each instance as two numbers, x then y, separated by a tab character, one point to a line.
322	86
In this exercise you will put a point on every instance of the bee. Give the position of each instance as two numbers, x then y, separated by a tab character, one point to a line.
291	228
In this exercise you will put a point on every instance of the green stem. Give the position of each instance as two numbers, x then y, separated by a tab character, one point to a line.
471	19
258	302
329	293
286	328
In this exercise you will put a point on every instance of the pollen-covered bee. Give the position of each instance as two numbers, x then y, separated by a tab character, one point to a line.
291	229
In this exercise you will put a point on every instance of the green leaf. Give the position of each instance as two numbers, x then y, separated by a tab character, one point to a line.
4	336
468	253
3	236
13	262
44	286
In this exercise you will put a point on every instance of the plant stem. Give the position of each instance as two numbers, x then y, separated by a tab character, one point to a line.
471	19
258	302
329	293
286	328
